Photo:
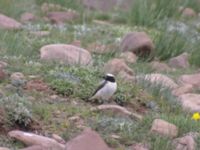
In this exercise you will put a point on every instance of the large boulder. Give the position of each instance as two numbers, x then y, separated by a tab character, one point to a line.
164	128
193	79
88	140
180	61
190	102
9	23
67	54
31	139
137	42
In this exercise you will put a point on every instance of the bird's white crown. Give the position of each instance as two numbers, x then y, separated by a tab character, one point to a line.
109	75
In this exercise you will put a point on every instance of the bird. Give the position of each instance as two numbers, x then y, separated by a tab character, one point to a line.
106	89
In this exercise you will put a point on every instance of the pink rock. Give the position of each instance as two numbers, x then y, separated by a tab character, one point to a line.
188	12
164	128
4	148
138	146
27	17
129	57
60	17
68	54
116	65
193	79
190	102
8	23
180	61
31	139
187	88
35	147
185	143
58	138
88	140
159	66
138	43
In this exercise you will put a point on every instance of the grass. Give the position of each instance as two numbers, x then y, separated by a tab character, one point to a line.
74	84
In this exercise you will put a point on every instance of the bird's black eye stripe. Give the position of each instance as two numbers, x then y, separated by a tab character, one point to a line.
111	79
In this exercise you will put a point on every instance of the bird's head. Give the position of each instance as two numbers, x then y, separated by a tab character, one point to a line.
109	77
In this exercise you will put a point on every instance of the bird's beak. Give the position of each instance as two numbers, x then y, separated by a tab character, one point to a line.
104	77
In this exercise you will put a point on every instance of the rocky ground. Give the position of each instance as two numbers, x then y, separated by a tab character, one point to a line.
54	53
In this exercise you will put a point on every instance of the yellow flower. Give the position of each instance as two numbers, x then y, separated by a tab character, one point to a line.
196	116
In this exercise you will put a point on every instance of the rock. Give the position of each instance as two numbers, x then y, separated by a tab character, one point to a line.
37	85
194	135
4	148
159	66
180	61
58	139
9	23
117	109
187	88
27	17
54	97
188	12
138	43
35	147
31	139
126	77
67	54
129	57
185	143
158	79
164	128
60	17
3	65
18	79
138	146
116	65
190	102
86	141
107	5
40	33
193	79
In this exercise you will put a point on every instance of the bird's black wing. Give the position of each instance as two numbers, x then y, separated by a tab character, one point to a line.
100	86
